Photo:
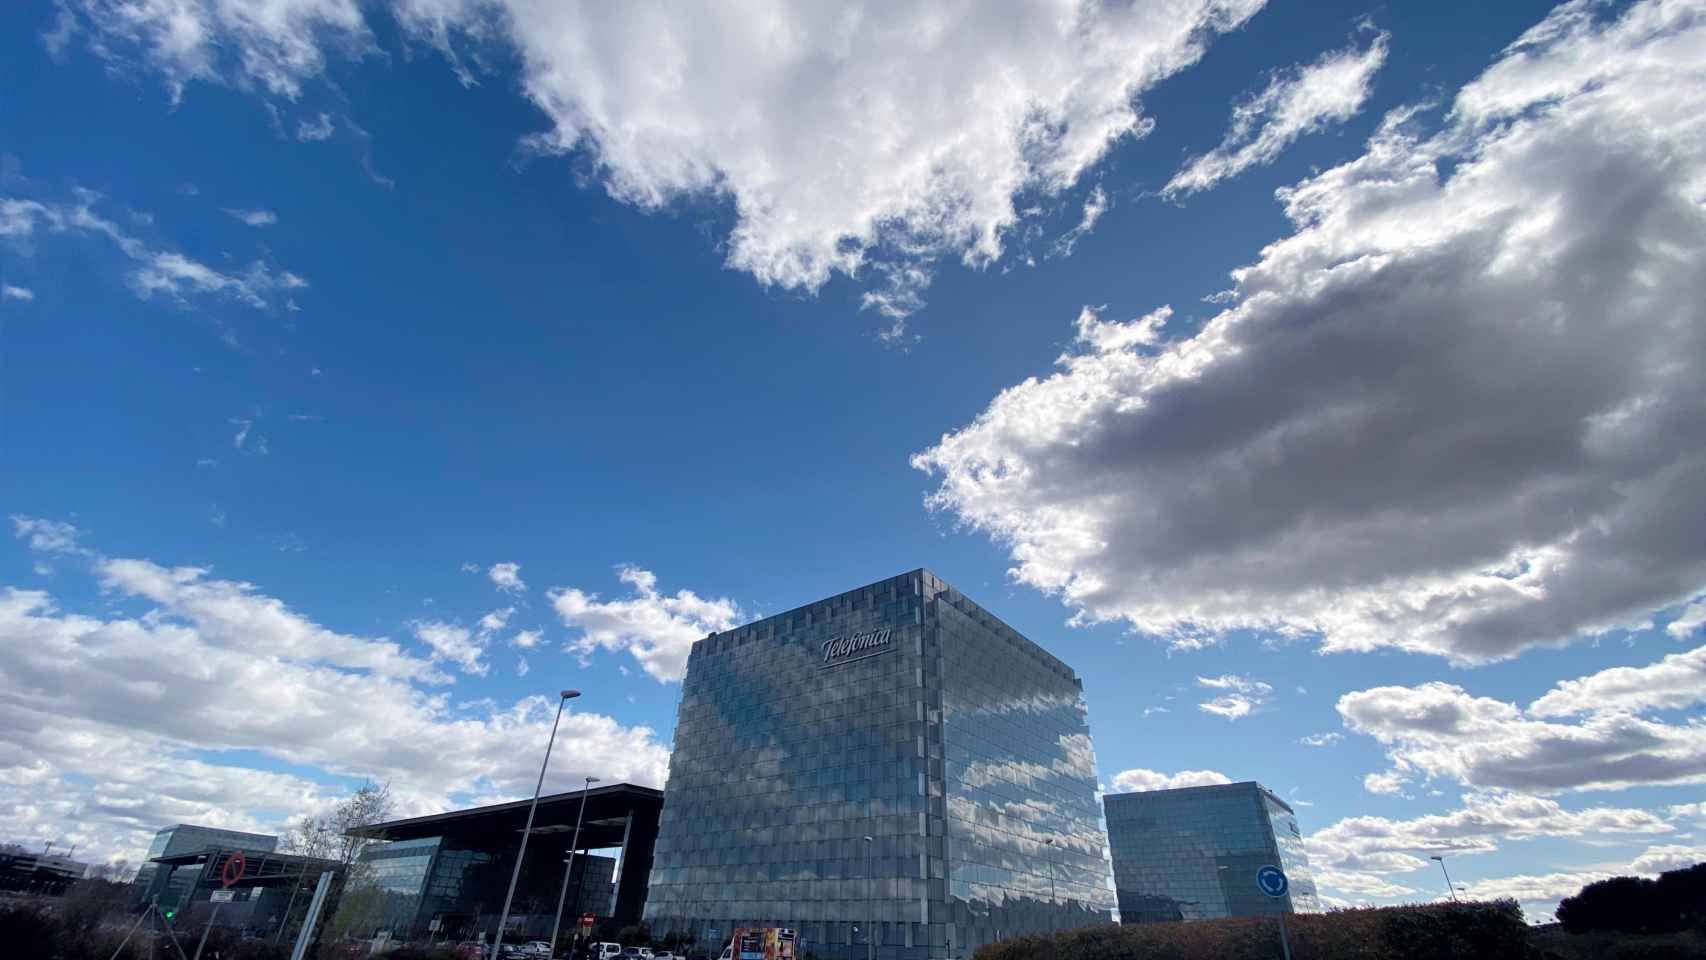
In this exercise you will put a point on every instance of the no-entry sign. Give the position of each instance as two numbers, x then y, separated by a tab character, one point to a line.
233	870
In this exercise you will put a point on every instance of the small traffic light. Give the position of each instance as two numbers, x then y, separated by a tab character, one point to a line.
170	914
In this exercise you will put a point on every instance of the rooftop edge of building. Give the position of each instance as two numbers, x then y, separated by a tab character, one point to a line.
1235	786
929	584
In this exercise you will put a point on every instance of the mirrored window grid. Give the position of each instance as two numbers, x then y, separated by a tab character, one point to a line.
1192	853
890	770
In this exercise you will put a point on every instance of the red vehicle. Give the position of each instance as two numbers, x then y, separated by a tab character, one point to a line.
469	950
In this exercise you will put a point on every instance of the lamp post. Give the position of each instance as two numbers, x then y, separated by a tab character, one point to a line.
503	919
1448	887
870	902
574	845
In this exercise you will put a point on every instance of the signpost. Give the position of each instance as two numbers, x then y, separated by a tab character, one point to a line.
1271	881
228	877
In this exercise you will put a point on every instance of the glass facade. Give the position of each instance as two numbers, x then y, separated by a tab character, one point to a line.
893	768
1192	853
172	885
442	878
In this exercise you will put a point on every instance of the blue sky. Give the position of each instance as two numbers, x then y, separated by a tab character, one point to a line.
314	321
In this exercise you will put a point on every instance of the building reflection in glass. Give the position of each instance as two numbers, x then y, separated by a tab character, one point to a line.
904	713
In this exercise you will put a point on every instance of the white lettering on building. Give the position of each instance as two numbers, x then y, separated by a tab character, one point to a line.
840	649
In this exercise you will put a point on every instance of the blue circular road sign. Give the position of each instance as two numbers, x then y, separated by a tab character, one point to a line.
1272	881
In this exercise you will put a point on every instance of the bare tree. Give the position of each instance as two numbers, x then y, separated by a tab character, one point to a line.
329	838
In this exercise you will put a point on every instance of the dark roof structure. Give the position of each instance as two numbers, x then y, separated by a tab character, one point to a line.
607	811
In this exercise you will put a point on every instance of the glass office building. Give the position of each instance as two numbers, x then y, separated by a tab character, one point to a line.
436	878
172	884
891	769
1192	853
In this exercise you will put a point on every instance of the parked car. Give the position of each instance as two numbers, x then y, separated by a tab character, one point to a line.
636	953
666	955
469	950
532	950
605	951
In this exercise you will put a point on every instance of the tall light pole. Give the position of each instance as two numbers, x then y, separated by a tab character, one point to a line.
503	920
573	846
1448	887
870	902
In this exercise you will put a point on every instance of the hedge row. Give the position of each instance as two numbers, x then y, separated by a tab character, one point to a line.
1429	932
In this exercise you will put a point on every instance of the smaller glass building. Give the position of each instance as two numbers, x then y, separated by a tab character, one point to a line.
171	885
1192	853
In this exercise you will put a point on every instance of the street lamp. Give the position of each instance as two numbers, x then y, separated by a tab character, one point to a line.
870	902
573	846
503	920
1448	887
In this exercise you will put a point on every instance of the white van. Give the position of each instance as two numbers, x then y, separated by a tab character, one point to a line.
605	951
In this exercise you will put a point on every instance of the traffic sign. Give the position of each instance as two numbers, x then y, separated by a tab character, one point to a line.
233	870
1272	881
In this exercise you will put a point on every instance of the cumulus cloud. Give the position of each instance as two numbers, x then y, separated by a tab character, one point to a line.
1448	414
10	292
1297	101
841	137
494	621
1243	695
1357	856
1441	730
254	218
658	629
1677	681
1539	894
1139	779
507	577
46	536
154	271
1692	618
454	643
527	639
200	667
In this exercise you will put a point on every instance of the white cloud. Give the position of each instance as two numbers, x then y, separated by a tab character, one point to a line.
454	643
254	218
46	536
1094	206
1321	739
1139	779
1666	858
10	292
1692	618
1447	414
318	129
1689	810
1677	681
1359	855
507	577
469	567
842	138
494	621
1297	101
1151	710
246	439
658	629
521	666
155	271
1385	784
1441	730
527	639
203	667
1245	695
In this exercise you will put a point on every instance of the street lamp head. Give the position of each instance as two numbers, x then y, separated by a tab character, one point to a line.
569	694
592	780
1437	857
1049	841
869	839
